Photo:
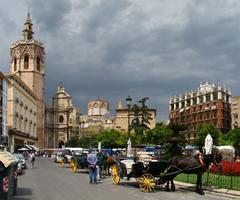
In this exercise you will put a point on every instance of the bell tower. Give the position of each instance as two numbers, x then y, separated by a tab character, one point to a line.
27	61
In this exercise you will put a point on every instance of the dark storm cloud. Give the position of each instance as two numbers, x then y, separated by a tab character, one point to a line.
49	15
109	49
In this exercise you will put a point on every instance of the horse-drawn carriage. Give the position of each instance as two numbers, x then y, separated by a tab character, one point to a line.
159	172
148	175
78	161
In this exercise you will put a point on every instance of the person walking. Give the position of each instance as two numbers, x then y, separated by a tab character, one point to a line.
32	159
92	166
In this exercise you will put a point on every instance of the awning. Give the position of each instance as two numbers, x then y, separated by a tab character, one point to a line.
33	147
7	158
29	147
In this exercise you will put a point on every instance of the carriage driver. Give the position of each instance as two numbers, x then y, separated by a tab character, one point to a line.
92	166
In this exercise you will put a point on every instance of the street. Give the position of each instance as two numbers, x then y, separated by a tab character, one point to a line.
49	181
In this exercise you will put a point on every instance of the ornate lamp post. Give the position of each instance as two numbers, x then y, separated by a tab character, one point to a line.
129	104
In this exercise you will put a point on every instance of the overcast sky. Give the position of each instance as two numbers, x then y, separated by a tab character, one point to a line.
109	49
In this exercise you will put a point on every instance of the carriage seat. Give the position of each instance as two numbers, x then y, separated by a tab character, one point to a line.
128	164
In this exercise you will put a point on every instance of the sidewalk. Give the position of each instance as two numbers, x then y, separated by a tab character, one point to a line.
228	192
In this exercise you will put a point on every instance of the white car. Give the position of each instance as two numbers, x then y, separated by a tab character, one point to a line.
21	160
19	168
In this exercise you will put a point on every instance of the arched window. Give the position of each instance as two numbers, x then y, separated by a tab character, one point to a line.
15	64
38	64
26	62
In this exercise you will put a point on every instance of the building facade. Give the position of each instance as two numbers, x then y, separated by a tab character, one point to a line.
122	117
22	113
61	119
4	109
235	112
27	61
97	109
208	104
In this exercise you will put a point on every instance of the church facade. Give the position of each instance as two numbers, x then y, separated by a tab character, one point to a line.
61	119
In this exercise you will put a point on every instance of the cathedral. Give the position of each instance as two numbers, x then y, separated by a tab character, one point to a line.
61	119
27	62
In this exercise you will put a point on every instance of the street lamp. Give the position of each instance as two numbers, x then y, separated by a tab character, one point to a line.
129	103
83	124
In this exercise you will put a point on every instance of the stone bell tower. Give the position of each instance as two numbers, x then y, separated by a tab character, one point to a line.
27	61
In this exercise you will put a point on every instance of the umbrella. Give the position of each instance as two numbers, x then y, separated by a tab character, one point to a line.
129	147
208	144
99	146
23	149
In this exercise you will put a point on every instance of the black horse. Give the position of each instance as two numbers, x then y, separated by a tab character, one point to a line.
197	164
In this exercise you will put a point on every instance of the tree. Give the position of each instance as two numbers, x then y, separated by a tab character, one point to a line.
234	138
87	142
159	135
175	140
73	142
109	138
205	129
140	122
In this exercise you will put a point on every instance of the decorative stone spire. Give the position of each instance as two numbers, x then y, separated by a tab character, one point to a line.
61	88
27	31
120	105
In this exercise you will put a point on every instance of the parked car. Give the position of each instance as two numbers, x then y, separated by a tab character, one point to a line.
19	168
21	160
57	157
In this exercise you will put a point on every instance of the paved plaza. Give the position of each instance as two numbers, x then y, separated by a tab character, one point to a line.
49	181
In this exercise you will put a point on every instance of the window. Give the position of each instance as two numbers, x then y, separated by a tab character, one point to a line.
194	101
207	97
183	104
15	64
38	64
215	96
61	119
201	99
235	115
26	62
227	98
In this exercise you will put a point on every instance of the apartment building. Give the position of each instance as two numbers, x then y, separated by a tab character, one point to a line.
3	109
235	112
208	104
22	113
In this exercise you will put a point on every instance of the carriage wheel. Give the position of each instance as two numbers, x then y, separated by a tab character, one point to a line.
73	166
115	174
146	183
61	162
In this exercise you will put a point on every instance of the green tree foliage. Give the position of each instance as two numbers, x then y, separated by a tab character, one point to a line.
168	136
159	135
234	138
140	122
73	142
175	141
122	140
205	129
109	138
87	142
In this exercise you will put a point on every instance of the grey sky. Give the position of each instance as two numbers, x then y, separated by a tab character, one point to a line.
109	49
